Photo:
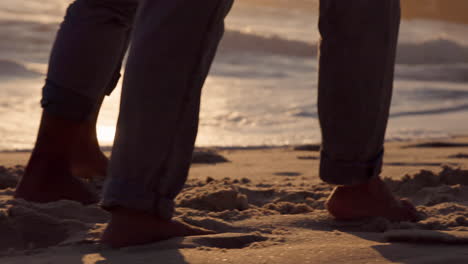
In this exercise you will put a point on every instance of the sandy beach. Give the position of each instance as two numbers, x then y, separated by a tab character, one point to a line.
267	204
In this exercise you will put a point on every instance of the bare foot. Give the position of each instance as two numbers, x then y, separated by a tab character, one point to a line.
47	180
48	176
372	199
131	228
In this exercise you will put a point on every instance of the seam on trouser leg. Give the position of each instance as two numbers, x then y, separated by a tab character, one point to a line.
349	172
66	103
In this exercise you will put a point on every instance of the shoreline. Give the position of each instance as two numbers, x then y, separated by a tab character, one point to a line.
108	148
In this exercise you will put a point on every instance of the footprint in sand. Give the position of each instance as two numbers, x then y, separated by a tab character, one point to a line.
218	241
438	145
228	240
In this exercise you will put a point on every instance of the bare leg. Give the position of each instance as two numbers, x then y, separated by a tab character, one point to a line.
48	175
84	65
65	151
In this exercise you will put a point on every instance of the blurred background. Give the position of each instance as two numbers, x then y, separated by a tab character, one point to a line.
449	10
263	85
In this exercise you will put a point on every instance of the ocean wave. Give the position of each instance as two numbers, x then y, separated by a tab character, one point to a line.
433	111
436	51
13	69
235	41
31	34
442	50
457	73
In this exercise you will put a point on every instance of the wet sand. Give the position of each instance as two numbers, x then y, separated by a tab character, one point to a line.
268	207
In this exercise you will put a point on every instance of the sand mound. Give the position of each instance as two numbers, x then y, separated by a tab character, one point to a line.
228	206
213	197
235	201
289	208
69	210
25	225
429	188
442	198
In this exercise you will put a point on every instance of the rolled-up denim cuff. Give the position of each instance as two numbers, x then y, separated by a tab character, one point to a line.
349	172
123	193
66	103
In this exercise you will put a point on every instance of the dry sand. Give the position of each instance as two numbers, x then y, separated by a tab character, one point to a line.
268	207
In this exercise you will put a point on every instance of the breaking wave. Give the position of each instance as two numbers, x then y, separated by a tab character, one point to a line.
436	51
12	69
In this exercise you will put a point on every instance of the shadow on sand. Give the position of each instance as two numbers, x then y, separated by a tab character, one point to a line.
419	246
147	255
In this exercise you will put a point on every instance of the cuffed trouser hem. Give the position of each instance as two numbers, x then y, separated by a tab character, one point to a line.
349	172
66	103
122	193
69	104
